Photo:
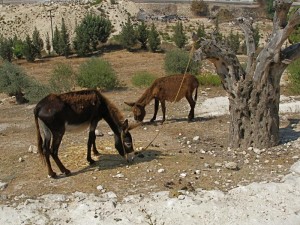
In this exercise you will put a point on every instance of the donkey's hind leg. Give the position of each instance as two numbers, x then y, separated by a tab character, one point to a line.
57	137
192	103
46	151
92	142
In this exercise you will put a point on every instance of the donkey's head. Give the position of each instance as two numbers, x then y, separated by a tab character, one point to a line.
138	110
123	142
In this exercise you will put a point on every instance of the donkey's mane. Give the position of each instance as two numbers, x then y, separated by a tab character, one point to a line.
115	113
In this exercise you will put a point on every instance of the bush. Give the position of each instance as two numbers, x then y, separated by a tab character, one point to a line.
177	60
294	77
62	78
97	73
6	50
209	79
142	79
15	82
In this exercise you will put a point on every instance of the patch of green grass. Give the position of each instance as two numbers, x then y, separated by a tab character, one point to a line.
294	77
209	79
142	79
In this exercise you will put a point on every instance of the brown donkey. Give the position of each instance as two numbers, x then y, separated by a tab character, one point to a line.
166	89
54	113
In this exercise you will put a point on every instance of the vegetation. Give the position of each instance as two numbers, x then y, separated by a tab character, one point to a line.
29	50
128	38
62	79
142	79
209	79
179	36
37	43
294	77
6	52
153	39
92	31
176	62
97	73
64	40
15	82
233	41
17	47
48	43
142	35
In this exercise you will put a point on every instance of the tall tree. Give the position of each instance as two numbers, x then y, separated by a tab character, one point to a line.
91	31
153	39
142	34
128	36
254	92
29	50
37	42
55	42
6	49
48	43
64	39
179	36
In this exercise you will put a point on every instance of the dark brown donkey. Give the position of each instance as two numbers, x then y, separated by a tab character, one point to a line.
166	89
54	113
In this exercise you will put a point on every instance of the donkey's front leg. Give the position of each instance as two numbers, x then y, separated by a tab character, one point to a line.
156	104
91	141
163	108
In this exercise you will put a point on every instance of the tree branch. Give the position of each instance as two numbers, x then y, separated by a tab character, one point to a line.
282	8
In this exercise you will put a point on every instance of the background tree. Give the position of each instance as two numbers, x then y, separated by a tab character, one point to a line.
6	49
128	37
233	41
64	40
142	34
201	31
254	92
179	36
55	42
153	39
37	42
29	50
92	31
17	47
48	43
256	36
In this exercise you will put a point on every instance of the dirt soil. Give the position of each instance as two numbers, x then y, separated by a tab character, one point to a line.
172	162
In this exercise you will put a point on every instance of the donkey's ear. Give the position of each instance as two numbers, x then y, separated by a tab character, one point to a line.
125	126
131	104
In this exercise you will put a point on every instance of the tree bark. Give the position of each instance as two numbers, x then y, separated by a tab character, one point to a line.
254	93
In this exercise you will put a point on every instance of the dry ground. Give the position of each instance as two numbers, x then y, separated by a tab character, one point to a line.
186	164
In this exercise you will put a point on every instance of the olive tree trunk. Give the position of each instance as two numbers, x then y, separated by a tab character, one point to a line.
254	92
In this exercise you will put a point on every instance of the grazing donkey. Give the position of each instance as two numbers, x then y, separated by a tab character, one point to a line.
54	113
166	89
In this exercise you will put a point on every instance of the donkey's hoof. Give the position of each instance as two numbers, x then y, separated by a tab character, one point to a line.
96	153
91	161
52	175
67	172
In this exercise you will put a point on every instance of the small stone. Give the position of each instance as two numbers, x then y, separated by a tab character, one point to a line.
161	170
206	165
21	159
119	175
98	133
183	175
196	139
257	151
218	164
100	188
197	172
33	149
2	186
231	166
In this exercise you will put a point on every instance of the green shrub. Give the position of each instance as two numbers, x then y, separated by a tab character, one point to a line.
62	78
97	73
176	61
15	82
142	79
294	77
209	79
35	91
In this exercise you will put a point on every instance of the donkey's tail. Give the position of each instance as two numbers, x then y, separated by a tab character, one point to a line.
196	94
39	137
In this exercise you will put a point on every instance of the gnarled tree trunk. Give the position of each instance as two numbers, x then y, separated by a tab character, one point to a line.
254	92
